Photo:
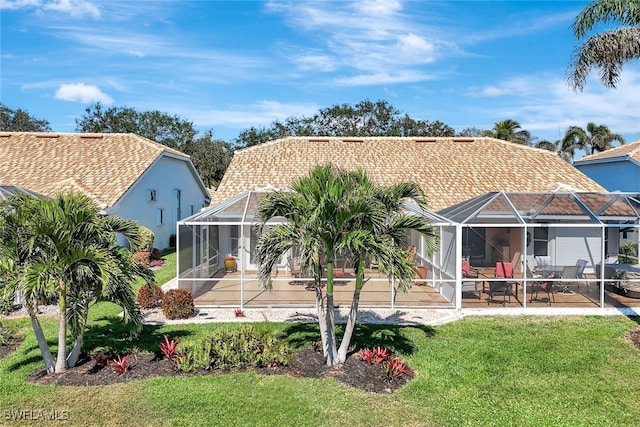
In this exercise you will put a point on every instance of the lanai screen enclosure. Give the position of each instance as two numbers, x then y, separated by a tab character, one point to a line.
535	233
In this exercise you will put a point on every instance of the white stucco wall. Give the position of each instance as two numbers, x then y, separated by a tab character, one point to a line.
165	176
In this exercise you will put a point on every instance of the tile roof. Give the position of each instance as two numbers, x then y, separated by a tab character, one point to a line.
103	166
449	170
628	150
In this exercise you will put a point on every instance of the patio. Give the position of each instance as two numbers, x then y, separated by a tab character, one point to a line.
518	229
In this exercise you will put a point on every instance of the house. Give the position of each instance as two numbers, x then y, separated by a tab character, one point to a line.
127	175
492	201
449	170
617	169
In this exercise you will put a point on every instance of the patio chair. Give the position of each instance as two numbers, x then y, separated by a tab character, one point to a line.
294	270
581	264
568	272
504	270
469	272
540	286
542	261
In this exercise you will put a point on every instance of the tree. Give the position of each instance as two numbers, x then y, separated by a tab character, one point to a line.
472	132
608	50
329	211
163	128
20	121
210	157
507	131
594	139
63	249
365	118
547	145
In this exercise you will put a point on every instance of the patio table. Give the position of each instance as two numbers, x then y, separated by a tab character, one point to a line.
549	270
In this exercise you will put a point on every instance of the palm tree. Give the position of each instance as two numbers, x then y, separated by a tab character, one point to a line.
594	139
63	249
610	49
330	211
507	131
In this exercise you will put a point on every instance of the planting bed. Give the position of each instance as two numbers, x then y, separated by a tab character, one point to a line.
305	363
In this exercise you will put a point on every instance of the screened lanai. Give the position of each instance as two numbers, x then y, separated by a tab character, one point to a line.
540	237
227	230
563	249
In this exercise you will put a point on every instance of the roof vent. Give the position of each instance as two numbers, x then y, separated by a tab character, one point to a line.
319	140
352	140
48	135
90	136
466	139
426	140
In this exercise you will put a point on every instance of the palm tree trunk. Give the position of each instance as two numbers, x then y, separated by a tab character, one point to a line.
42	341
330	349
353	314
61	359
74	354
321	314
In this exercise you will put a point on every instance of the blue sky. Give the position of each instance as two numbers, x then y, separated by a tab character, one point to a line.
229	65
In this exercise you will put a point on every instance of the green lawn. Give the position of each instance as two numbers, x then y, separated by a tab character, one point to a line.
524	371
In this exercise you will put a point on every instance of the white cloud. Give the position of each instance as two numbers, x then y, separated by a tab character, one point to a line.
18	4
515	86
80	92
399	76
546	106
364	35
75	8
262	113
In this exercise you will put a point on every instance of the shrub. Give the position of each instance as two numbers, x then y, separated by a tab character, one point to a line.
119	365
155	254
238	312
239	348
169	348
150	296
100	358
177	304
377	355
395	368
142	257
146	238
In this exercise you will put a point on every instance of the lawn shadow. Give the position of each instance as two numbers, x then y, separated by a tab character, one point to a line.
303	335
113	335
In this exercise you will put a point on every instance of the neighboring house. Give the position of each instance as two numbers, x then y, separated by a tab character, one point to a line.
617	169
492	202
127	175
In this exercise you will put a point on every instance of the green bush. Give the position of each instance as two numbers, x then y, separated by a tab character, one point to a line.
150	296
239	348
146	238
177	304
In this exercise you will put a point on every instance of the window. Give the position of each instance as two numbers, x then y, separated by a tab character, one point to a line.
160	216
152	196
541	241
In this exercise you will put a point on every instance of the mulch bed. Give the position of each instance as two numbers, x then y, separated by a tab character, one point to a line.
306	363
633	337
